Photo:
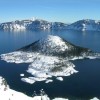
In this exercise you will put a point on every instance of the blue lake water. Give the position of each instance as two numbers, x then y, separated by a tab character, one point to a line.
80	86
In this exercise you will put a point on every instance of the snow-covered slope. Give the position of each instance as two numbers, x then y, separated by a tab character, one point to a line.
54	45
58	25
49	57
85	25
3	84
39	24
8	94
25	24
30	24
15	25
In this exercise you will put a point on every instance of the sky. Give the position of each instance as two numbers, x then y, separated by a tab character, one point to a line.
51	10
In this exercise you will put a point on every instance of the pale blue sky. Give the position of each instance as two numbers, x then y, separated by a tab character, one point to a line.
51	10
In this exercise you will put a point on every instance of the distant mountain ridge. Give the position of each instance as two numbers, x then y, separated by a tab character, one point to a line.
32	25
85	25
38	24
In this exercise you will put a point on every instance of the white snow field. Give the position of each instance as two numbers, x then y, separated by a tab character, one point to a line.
8	94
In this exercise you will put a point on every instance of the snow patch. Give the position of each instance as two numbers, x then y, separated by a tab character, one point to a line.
95	98
28	80
60	99
59	78
48	81
21	75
